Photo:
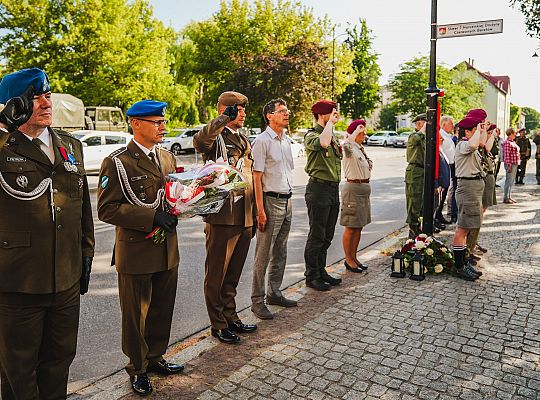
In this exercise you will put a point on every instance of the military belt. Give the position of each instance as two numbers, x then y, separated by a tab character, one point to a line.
329	183
358	180
470	178
279	195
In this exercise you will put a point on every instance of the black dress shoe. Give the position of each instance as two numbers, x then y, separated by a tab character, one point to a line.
360	265
225	335
439	225
141	384
165	368
240	327
355	269
331	280
318	284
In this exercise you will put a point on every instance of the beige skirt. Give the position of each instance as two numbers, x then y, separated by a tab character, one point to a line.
489	199
355	205
469	202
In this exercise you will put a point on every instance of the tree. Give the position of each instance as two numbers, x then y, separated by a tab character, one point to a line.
531	10
387	117
105	52
532	118
463	90
361	97
515	113
261	48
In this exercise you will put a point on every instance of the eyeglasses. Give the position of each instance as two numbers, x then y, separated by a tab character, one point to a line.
283	111
157	124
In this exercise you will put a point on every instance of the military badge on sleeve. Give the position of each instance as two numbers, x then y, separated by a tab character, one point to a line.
104	181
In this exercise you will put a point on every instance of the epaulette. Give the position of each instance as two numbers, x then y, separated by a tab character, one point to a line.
166	150
118	152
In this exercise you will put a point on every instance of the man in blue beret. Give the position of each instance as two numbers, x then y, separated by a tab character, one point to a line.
46	241
130	196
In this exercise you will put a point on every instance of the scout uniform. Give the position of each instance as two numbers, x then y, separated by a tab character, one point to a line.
414	176
228	232
130	190
322	195
46	229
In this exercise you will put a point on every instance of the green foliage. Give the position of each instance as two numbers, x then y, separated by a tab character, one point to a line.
266	50
532	118
387	118
463	90
515	113
105	52
401	130
531	10
361	97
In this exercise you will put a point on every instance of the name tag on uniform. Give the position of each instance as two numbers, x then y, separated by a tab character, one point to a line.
16	159
138	178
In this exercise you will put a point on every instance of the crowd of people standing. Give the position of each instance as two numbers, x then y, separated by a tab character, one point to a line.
45	193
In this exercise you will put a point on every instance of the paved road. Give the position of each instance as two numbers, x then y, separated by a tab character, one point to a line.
99	352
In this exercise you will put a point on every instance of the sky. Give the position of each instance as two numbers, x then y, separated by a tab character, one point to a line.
401	30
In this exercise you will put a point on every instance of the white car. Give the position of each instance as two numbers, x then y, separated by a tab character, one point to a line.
99	144
180	140
382	138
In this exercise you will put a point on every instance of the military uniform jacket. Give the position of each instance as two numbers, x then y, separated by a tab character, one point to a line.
129	192
242	211
322	163
43	237
416	150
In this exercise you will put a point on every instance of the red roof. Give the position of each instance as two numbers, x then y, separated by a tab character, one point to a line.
501	82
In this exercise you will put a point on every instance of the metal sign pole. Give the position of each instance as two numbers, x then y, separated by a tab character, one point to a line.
431	129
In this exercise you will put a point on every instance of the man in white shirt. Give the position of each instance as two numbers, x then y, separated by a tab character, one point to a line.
448	148
272	180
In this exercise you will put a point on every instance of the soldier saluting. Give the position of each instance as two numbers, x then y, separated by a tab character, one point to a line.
46	241
130	196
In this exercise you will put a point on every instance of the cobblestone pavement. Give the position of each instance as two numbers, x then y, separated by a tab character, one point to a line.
399	339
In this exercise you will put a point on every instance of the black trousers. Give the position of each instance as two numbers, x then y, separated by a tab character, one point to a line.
38	340
441	197
322	201
522	166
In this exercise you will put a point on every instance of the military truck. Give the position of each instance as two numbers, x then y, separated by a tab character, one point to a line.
70	114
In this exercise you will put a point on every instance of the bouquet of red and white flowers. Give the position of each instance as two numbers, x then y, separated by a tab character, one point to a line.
437	256
199	192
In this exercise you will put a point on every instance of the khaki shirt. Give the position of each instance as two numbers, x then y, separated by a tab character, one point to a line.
355	163
39	254
273	157
117	205
322	163
237	210
468	161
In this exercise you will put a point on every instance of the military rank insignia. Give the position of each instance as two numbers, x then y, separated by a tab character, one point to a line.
104	181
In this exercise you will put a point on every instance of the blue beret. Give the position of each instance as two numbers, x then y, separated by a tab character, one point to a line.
147	108
16	83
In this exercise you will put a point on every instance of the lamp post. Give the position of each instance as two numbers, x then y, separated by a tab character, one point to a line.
334	37
433	93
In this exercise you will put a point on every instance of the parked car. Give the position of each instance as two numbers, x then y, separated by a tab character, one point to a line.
401	139
99	144
297	149
382	138
179	140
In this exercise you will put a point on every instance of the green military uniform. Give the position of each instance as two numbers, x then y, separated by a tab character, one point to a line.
322	200
46	228
414	177
129	193
229	232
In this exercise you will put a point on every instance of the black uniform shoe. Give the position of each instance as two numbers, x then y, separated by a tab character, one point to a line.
471	261
439	225
331	280
355	269
240	327
466	274
141	384
165	368
360	265
318	284
225	335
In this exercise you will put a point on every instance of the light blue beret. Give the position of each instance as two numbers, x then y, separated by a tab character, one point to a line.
16	83
147	108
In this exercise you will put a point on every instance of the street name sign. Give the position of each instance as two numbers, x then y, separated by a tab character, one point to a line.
470	29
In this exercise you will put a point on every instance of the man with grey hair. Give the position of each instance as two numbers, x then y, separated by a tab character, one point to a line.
272	181
448	147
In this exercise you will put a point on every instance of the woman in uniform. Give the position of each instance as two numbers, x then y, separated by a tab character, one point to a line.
470	175
355	202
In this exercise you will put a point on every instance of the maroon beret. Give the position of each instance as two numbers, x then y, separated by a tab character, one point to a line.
491	127
477	113
469	122
354	125
323	107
